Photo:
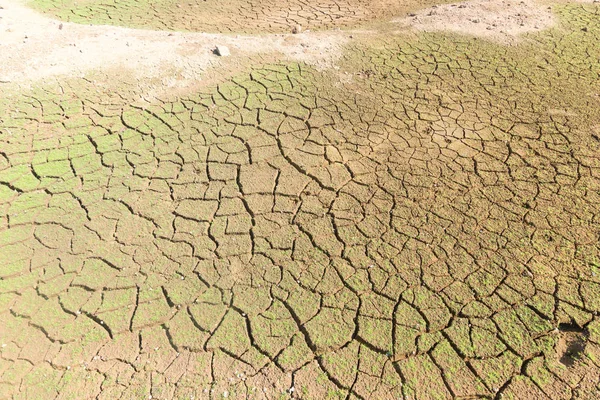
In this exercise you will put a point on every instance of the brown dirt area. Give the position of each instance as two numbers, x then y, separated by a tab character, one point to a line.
404	208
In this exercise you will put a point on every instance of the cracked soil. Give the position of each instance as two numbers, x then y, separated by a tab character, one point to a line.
401	202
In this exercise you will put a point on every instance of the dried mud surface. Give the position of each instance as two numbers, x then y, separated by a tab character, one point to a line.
253	16
421	223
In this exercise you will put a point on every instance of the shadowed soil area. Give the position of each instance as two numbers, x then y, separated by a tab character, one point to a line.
417	219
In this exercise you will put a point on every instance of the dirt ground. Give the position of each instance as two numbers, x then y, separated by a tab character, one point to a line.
401	201
232	16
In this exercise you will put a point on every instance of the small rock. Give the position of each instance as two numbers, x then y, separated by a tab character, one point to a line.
296	29
585	29
60	26
222	51
225	394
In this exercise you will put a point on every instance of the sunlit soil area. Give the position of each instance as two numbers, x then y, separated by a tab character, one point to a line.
411	211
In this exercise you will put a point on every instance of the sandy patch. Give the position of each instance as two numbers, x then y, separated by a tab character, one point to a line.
34	47
498	20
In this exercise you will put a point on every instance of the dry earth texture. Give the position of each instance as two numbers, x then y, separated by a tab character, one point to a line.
419	220
252	16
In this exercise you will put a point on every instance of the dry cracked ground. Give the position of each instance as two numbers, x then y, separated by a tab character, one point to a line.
416	218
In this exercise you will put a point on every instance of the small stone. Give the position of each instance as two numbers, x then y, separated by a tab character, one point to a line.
225	394
585	29
60	26
222	51
296	29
